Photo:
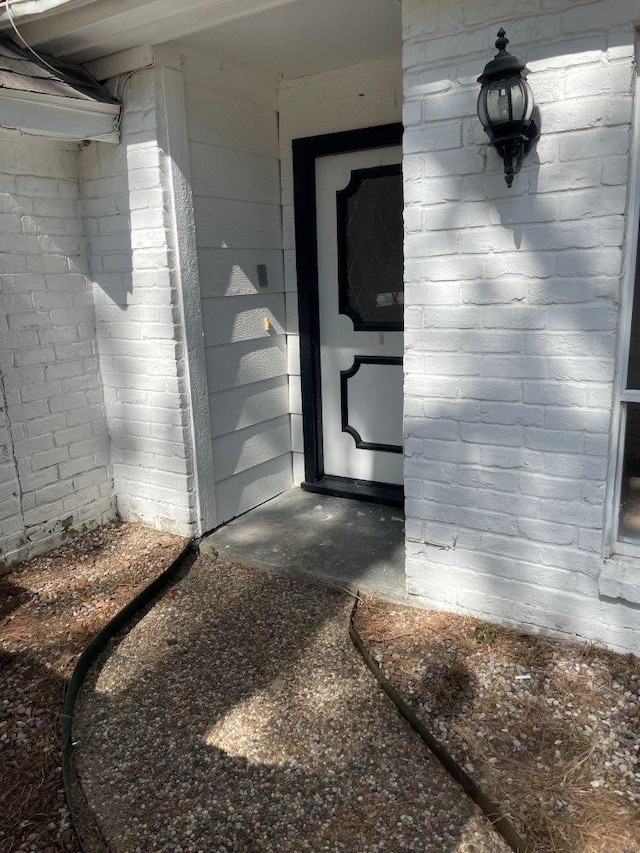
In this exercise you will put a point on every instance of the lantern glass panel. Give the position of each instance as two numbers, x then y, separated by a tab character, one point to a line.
506	100
482	108
529	101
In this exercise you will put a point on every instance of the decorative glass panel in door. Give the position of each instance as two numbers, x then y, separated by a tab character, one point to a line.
370	257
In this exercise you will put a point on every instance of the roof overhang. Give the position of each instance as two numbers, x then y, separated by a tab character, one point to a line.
280	39
59	118
42	96
25	10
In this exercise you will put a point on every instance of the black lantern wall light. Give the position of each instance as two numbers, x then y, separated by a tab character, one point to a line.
505	107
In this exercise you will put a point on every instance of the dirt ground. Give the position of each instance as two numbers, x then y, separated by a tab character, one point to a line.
50	608
549	729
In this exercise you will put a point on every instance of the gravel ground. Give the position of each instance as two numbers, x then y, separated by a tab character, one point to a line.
50	608
237	716
551	730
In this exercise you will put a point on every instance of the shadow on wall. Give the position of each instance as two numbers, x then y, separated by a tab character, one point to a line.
232	128
238	242
53	460
141	353
524	419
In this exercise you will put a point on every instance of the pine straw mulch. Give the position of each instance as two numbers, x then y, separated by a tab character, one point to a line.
550	730
50	608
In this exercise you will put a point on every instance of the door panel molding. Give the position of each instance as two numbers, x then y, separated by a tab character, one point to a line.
345	376
305	153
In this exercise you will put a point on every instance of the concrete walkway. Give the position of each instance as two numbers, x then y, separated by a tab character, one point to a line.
349	544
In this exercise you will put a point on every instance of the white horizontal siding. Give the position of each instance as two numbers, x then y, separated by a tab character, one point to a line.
224	273
216	119
243	199
244	362
232	129
240	318
251	488
224	223
222	77
237	408
244	449
239	175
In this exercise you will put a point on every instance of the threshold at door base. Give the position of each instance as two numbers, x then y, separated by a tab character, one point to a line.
359	490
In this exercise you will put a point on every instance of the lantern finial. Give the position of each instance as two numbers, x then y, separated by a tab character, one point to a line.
502	41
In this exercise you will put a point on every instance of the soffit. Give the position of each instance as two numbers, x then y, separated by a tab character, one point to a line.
307	37
281	38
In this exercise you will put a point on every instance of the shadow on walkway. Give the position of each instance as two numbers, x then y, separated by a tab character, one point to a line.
237	717
349	544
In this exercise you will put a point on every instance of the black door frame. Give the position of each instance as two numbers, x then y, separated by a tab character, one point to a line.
305	153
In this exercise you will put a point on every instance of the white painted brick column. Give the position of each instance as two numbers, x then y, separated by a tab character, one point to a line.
54	463
128	218
512	304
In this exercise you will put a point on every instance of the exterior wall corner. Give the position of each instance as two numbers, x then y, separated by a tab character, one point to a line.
139	316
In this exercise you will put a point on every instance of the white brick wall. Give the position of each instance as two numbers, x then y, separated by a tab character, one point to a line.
128	215
512	313
54	465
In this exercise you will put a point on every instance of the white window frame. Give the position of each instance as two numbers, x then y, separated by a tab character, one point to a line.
623	395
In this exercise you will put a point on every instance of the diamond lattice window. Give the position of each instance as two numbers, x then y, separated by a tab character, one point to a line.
370	237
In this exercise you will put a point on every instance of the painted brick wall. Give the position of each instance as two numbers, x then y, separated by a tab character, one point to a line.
128	213
349	98
232	129
54	465
512	300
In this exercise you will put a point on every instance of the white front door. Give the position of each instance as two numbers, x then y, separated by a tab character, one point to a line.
361	297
